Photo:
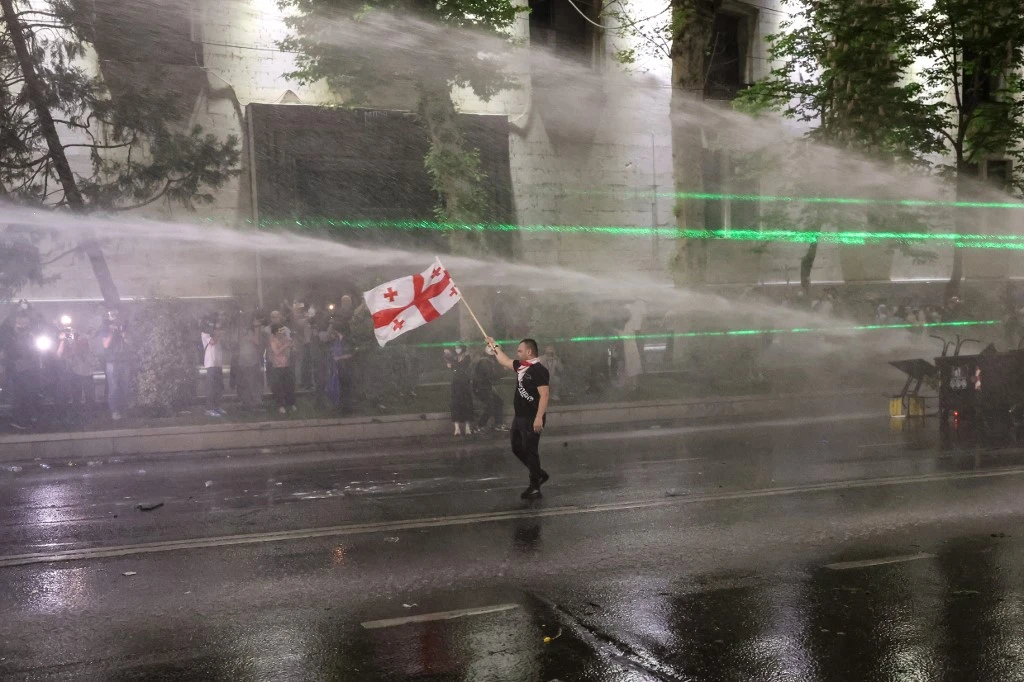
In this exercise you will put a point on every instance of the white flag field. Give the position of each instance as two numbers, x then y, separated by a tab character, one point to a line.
409	302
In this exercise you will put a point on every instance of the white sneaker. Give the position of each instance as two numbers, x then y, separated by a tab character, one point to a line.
295	408
281	410
458	431
115	416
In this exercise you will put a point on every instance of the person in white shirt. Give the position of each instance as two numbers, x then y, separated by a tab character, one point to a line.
213	361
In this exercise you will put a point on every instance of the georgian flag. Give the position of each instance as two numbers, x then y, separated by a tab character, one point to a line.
410	302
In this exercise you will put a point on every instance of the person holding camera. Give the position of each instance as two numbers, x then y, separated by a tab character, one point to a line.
79	362
212	338
282	376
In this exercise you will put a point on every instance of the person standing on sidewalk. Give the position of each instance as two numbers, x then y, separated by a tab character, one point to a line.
460	366
531	406
282	376
212	338
113	340
248	360
21	359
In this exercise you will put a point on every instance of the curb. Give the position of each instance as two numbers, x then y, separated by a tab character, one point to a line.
98	444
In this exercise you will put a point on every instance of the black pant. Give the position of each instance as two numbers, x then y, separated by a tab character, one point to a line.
491	407
24	387
77	388
282	385
214	387
525	444
345	383
249	385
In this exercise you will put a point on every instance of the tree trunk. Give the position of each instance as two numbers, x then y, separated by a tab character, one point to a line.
806	265
693	26
960	225
36	93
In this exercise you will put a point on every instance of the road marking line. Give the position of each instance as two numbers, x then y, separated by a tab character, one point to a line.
437	615
866	563
489	517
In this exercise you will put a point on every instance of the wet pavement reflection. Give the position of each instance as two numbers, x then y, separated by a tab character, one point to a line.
839	575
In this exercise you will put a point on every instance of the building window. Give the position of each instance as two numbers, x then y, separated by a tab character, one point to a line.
999	173
979	83
728	56
560	26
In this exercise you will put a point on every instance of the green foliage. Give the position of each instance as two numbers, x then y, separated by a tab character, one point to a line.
626	56
20	261
162	355
847	67
935	87
975	49
454	170
134	135
334	41
842	65
340	42
651	33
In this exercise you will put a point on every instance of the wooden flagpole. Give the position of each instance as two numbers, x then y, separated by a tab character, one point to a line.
479	326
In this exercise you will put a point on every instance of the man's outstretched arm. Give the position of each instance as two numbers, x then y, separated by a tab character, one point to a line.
499	355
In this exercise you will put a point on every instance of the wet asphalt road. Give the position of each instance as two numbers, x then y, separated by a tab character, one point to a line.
834	549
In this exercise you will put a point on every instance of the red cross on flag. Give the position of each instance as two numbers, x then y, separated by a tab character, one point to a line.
409	302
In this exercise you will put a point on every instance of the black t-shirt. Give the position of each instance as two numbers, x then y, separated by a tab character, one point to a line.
528	379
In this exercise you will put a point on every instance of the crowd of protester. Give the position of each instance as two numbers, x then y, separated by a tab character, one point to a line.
84	366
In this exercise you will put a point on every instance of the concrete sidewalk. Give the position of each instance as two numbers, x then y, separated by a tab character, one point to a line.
98	444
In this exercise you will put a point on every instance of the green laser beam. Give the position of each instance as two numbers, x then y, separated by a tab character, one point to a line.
845	238
736	332
849	201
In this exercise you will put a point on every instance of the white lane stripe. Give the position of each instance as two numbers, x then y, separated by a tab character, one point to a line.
488	517
867	563
437	615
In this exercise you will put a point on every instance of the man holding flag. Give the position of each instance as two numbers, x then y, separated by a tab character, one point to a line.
531	406
409	302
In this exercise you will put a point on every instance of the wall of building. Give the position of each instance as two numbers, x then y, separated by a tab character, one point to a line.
595	149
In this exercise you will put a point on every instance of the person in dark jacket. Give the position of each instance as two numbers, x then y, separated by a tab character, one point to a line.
461	367
486	398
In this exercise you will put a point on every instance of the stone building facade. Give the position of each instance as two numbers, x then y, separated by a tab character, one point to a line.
589	143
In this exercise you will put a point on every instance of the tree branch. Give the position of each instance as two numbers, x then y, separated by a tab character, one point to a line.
147	202
65	254
97	146
24	166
